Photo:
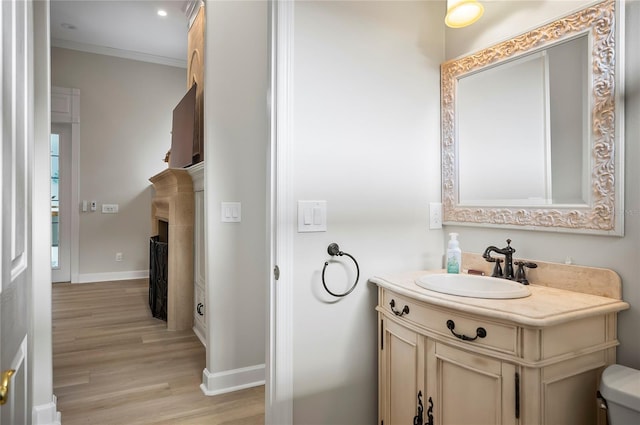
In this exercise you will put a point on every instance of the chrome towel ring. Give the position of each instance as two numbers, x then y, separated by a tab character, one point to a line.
333	250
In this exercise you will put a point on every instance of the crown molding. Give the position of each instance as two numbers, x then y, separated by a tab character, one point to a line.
120	53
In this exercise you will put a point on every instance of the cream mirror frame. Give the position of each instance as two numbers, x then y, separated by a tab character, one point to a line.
603	212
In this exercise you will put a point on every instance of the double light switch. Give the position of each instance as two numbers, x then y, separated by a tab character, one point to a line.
312	216
231	212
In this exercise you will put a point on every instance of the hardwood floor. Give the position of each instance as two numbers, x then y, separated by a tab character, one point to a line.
113	363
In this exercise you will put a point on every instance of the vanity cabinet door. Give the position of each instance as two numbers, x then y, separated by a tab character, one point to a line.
401	368
470	389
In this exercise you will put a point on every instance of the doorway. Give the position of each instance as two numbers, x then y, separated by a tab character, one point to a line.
60	153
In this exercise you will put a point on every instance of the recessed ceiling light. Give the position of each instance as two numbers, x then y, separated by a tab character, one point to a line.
162	12
68	26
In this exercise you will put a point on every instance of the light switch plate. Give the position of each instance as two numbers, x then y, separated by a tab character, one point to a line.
231	212
312	216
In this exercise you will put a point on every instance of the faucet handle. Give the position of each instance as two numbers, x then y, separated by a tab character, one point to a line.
520	274
497	269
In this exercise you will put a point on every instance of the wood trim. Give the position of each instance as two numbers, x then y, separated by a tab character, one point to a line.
112	276
70	97
197	176
40	364
119	53
232	380
279	376
47	414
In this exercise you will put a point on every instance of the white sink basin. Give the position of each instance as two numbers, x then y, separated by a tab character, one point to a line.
465	285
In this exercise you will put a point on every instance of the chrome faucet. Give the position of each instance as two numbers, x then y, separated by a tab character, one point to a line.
507	251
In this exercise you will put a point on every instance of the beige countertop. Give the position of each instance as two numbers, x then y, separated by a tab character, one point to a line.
546	306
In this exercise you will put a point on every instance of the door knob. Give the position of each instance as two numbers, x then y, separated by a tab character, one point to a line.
4	385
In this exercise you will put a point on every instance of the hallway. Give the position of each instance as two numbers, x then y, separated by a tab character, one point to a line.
113	363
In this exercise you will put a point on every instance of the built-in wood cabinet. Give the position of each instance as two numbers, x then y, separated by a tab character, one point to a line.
502	368
199	264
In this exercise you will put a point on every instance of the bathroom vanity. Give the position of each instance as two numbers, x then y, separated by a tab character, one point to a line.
535	360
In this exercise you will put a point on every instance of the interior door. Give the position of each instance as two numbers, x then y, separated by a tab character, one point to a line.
15	213
60	148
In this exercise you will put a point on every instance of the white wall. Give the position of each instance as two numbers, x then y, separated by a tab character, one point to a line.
619	254
366	140
125	130
236	141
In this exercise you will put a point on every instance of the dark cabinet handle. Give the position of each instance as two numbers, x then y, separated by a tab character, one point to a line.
199	308
405	309
480	332
419	418
518	395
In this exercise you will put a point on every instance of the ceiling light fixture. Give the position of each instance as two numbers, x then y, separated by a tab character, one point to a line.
461	13
162	13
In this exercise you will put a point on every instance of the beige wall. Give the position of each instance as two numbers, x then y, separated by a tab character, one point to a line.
619	254
125	130
236	142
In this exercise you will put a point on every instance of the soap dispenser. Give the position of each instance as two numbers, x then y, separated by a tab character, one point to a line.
454	254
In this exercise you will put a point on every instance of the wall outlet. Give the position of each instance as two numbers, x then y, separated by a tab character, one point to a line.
93	205
118	256
435	215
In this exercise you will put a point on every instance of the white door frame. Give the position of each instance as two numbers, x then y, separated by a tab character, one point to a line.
65	109
42	400
280	211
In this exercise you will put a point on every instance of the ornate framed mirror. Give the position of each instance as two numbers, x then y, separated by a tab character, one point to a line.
532	128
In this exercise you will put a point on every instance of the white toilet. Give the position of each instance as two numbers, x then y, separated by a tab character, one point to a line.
620	387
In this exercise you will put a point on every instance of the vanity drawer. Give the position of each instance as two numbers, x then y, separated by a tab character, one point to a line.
499	336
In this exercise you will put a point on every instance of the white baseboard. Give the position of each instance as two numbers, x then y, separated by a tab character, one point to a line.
105	277
46	414
232	380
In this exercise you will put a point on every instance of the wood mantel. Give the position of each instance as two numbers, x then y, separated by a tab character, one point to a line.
173	203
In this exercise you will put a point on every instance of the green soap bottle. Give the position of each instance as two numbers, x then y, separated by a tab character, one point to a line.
454	254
